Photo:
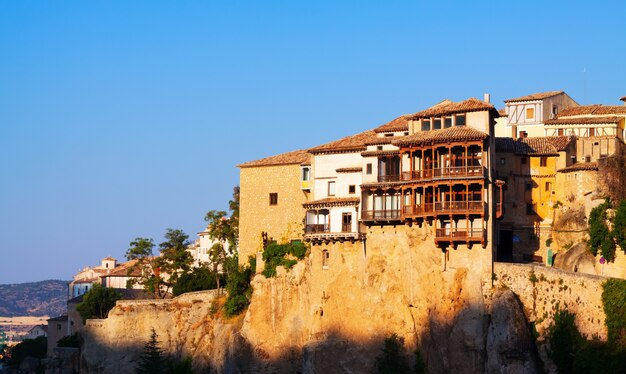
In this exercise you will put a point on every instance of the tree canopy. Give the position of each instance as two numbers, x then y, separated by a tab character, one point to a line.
97	302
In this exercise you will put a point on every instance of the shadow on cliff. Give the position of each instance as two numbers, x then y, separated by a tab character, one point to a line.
457	337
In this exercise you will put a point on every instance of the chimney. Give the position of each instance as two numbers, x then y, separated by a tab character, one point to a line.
487	98
623	98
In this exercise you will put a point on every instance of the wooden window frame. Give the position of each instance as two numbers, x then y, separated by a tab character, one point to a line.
526	110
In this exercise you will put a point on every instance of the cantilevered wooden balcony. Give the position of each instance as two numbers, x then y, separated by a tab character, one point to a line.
381	215
320	233
317	228
389	178
453	172
459	235
459	207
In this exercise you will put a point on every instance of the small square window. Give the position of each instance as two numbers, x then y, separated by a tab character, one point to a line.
543	162
352	188
459	120
368	169
273	198
379	148
425	124
530	113
548	186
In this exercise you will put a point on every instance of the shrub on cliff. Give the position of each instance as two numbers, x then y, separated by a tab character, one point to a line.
97	302
238	288
153	360
282	255
199	279
392	359
614	302
565	340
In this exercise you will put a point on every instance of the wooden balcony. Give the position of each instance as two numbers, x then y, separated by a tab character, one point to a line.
459	207
388	178
455	172
381	215
420	210
317	228
459	235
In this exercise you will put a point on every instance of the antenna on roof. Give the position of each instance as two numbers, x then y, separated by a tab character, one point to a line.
585	85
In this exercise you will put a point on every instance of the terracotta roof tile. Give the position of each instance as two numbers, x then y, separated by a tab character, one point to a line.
299	157
122	270
347	144
584	120
442	135
447	107
398	124
388	152
597	110
350	170
331	202
535	146
579	167
535	96
502	112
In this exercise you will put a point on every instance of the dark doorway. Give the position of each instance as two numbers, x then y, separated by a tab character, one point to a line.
505	246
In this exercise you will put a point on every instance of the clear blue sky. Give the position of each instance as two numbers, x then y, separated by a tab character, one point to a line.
119	119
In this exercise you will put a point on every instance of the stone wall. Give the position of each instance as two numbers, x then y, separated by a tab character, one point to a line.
282	221
551	289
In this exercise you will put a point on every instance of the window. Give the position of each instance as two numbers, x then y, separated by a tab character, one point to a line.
425	124
543	162
437	124
548	186
346	222
388	135
447	122
379	148
523	160
331	188
325	258
530	113
459	120
352	188
592	132
273	198
555	110
368	169
502	161
306	174
560	132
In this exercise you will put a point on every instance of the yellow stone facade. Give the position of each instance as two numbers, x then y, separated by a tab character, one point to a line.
283	221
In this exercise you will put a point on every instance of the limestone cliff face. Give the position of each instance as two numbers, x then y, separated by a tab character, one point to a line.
332	318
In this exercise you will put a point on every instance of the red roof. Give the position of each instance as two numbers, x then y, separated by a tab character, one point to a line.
351	143
398	124
535	96
290	158
535	146
584	120
448	107
596	110
457	133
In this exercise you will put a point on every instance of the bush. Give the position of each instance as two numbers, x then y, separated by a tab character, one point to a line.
239	290
28	348
97	302
614	302
277	255
599	234
565	340
70	341
199	279
392	360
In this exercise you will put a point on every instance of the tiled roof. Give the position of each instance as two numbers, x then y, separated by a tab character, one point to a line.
347	144
584	120
596	110
388	152
398	124
447	107
350	170
381	141
580	167
122	270
331	202
502	112
535	96
535	146
442	135
373	185
62	318
299	157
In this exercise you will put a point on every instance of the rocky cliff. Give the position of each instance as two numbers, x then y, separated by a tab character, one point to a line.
333	317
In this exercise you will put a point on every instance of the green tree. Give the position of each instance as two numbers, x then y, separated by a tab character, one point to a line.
28	348
218	257
223	227
152	359
159	274
392	360
238	288
565	340
199	279
600	237
619	224
97	302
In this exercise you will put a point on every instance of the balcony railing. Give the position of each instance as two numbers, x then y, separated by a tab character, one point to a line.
381	214
459	234
419	210
346	227
317	228
388	178
459	206
441	173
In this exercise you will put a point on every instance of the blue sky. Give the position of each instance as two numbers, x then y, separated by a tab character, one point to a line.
120	119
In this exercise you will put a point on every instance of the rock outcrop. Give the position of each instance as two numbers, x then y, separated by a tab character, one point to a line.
576	259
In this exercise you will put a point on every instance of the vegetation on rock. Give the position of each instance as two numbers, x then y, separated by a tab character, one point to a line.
97	302
282	255
392	358
154	361
603	239
614	301
239	289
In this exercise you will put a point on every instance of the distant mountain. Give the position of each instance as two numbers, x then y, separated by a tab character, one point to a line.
33	299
